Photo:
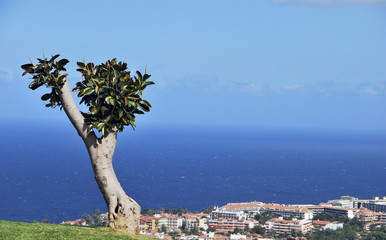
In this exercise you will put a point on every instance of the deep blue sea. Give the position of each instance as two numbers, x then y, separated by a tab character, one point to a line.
45	170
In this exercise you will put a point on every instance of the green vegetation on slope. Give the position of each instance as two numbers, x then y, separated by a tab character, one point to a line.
22	230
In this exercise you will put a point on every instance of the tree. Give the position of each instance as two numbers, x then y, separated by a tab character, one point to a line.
258	229
113	98
46	220
93	221
163	229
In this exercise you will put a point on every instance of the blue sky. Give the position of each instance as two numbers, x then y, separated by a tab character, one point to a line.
317	64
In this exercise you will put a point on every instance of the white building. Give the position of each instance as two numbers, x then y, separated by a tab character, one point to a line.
237	236
227	214
333	226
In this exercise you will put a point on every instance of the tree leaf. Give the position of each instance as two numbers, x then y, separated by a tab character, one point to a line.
88	91
54	57
138	111
46	96
139	76
93	110
34	85
149	83
27	66
81	65
144	107
110	100
127	101
146	76
146	102
63	62
90	66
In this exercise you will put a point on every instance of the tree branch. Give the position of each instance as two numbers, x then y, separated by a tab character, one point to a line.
76	118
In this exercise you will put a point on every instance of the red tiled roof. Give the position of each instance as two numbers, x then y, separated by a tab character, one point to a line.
318	222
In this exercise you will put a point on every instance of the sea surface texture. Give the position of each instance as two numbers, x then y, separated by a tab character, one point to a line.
45	169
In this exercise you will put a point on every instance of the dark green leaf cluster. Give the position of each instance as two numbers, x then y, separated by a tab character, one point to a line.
47	73
112	95
265	216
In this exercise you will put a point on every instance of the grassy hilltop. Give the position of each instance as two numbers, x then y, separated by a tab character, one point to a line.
21	230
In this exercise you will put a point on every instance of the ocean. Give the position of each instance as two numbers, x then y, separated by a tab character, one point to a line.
45	169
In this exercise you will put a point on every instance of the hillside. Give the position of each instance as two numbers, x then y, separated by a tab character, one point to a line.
22	230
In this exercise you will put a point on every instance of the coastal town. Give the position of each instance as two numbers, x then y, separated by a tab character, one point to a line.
258	220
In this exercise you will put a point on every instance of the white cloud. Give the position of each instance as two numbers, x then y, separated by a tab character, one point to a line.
292	87
6	75
256	89
253	88
375	88
333	3
204	83
369	90
326	86
287	88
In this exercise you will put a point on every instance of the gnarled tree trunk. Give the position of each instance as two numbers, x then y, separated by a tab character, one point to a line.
124	212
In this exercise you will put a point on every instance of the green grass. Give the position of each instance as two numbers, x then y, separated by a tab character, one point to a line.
21	230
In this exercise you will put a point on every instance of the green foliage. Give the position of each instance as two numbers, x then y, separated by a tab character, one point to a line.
194	231
29	231
46	220
332	217
112	95
344	234
163	229
95	220
258	229
179	211
208	210
352	224
265	216
47	73
375	236
351	228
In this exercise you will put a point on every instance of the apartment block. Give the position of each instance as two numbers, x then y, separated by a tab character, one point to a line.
366	215
170	221
358	202
259	207
383	218
193	221
225	225
223	213
278	225
375	206
339	211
